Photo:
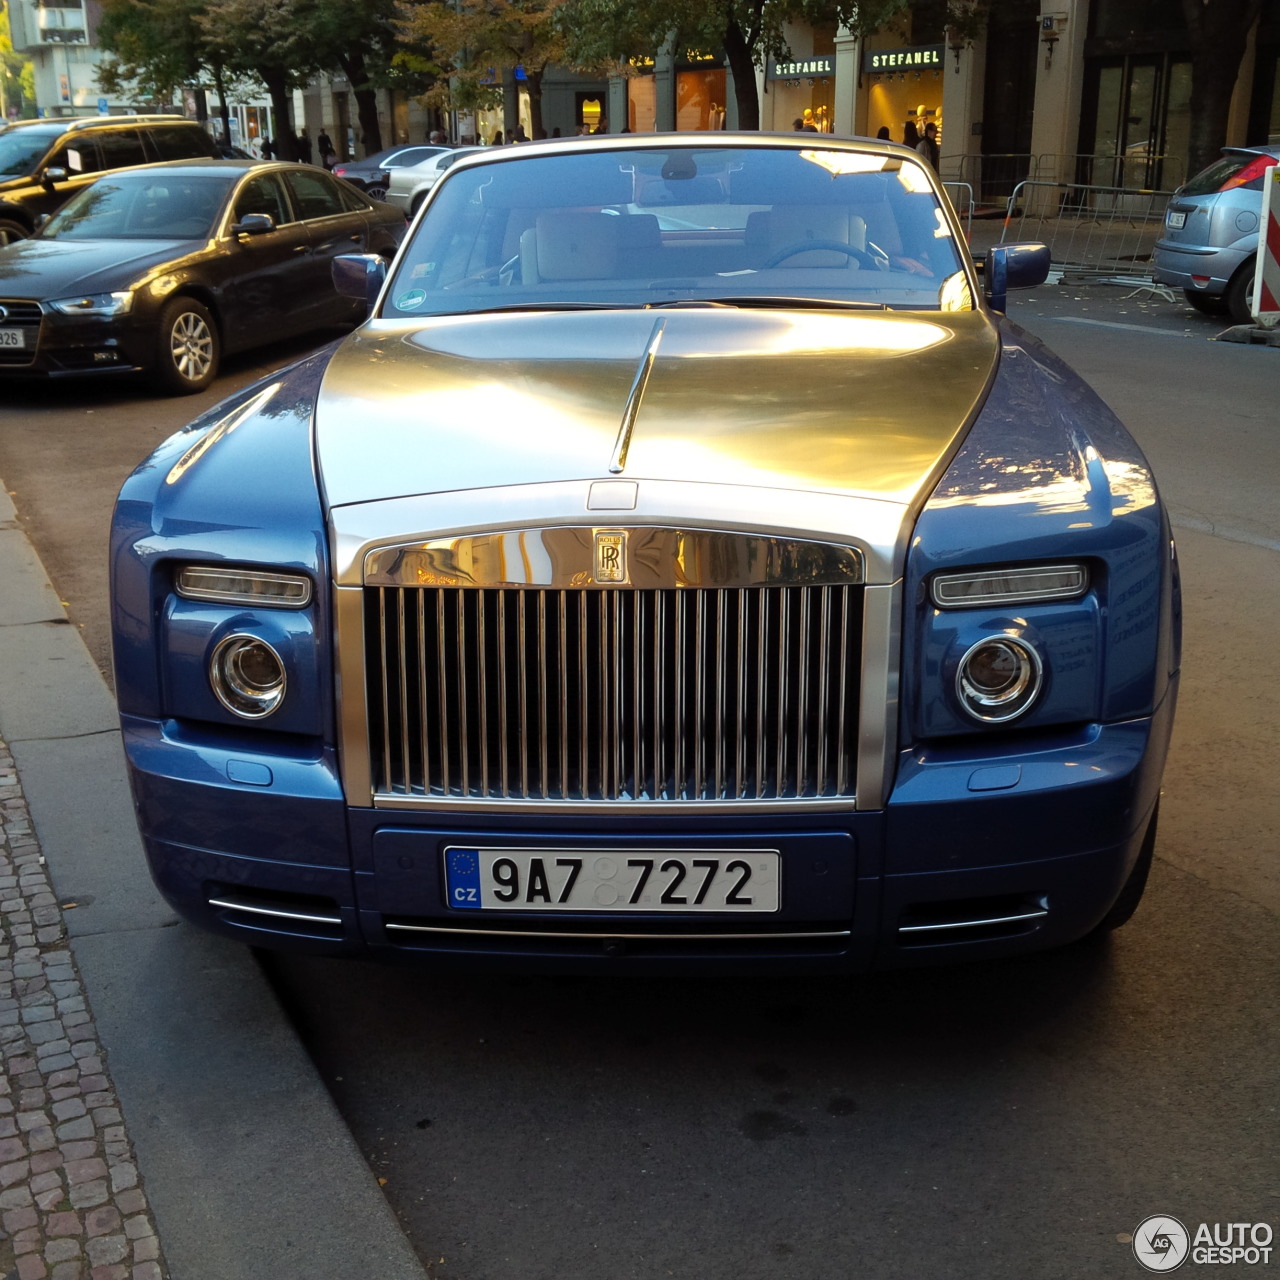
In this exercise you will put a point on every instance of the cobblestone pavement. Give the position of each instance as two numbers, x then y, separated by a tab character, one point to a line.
71	1206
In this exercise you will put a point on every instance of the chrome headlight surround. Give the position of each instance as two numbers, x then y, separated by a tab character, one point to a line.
247	676
999	678
1036	584
101	305
258	587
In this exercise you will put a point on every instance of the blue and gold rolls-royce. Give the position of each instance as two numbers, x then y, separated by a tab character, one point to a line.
687	566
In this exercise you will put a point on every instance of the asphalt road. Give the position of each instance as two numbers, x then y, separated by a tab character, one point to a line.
982	1121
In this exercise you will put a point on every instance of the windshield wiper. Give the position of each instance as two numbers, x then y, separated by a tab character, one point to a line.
548	306
770	302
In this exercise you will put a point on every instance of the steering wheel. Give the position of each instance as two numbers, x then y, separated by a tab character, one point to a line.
861	256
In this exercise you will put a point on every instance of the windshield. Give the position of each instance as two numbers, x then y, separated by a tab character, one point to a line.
680	224
161	206
21	149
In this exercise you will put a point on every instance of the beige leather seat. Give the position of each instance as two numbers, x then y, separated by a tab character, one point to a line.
787	226
570	246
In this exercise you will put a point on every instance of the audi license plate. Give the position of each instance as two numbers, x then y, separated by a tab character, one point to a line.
734	880
1177	221
13	339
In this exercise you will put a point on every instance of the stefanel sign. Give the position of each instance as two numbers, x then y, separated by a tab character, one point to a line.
819	65
921	57
1266	278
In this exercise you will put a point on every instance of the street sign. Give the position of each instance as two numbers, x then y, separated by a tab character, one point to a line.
1266	277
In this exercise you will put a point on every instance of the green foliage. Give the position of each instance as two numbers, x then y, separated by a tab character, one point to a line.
466	45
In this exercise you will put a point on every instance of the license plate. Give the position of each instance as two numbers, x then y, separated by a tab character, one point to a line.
649	880
13	339
1176	221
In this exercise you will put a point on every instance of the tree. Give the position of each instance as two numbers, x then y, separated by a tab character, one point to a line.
1219	33
360	36
470	44
155	47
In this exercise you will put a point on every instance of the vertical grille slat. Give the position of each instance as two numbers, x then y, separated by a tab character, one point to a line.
549	695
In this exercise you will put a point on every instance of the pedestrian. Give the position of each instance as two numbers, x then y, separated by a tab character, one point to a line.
268	149
304	147
324	143
435	138
497	139
928	145
910	135
882	133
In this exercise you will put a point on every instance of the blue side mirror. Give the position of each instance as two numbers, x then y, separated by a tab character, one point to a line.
359	275
1013	266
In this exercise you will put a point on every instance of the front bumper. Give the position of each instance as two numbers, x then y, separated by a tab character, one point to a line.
977	854
68	346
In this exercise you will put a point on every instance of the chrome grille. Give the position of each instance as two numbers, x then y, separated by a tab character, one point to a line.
662	695
25	315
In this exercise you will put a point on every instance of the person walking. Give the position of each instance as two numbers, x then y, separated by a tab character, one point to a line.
304	147
324	143
928	145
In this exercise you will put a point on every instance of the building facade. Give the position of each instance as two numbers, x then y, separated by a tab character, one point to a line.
1094	91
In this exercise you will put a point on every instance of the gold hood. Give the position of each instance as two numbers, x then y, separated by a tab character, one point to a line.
859	403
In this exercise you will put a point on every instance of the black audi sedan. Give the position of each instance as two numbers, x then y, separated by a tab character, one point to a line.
165	268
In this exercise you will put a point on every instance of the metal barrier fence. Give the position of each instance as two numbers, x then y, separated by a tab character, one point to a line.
994	178
961	197
1093	233
1134	169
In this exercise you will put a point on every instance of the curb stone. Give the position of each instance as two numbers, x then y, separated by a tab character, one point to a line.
71	1203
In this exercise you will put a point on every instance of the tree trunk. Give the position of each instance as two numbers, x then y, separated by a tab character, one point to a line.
277	82
737	50
224	112
366	102
1219	34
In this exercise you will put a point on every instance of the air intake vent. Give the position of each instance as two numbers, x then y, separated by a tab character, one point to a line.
301	915
971	920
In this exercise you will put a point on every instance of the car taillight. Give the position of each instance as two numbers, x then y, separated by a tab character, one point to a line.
1252	172
340	170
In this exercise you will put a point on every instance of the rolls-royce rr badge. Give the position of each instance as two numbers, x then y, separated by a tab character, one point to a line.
611	555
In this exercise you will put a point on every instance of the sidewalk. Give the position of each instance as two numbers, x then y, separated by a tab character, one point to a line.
158	1116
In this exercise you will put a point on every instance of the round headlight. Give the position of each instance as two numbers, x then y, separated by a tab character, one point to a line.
247	676
998	678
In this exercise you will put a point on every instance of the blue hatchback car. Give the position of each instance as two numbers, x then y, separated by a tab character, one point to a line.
687	567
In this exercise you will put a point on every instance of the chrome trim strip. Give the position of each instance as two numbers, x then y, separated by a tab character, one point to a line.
878	709
615	935
353	716
618	460
564	556
636	808
278	914
973	924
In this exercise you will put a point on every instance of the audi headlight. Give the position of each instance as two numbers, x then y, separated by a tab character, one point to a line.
247	676
999	678
95	304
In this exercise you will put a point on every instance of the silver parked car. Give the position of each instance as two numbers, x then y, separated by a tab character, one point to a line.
407	188
1210	244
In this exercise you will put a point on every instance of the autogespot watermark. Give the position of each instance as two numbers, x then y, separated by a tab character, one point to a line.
1162	1243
